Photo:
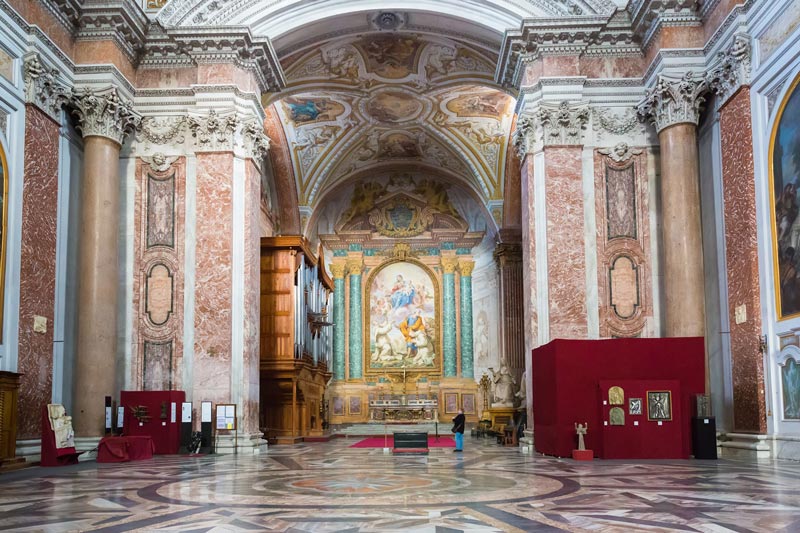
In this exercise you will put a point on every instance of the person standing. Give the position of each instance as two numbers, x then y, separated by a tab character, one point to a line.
459	421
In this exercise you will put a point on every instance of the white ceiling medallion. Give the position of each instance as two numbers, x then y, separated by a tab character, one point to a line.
388	20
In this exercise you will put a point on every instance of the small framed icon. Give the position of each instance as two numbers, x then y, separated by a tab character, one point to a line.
659	405
634	406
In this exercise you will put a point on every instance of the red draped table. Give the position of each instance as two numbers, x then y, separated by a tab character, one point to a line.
122	449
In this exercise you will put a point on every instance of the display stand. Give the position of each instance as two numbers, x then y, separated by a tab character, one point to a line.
186	427
52	456
153	413
704	437
415	443
226	421
206	428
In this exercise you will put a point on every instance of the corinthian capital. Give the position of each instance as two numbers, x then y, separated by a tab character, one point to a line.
673	102
733	68
524	137
256	142
104	113
43	88
213	132
564	124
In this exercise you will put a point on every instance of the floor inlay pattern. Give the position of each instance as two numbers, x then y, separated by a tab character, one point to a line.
323	487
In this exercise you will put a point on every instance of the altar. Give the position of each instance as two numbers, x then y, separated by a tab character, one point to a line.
402	410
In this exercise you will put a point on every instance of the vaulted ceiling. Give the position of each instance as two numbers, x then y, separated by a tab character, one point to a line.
399	100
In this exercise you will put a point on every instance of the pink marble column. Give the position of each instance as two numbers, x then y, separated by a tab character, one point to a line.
741	254
104	118
213	277
37	268
681	232
674	108
530	328
566	262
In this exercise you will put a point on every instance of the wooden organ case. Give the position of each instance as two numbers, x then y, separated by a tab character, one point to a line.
296	339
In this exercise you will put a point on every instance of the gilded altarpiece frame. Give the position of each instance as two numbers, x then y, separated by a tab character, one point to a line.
4	228
373	322
623	241
158	285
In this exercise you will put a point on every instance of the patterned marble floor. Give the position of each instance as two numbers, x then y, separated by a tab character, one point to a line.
330	487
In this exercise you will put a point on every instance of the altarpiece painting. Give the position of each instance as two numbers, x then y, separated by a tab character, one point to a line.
402	314
785	174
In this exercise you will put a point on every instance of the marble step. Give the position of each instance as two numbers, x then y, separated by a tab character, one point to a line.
380	429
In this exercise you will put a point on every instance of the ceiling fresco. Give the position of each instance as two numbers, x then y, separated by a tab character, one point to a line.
394	100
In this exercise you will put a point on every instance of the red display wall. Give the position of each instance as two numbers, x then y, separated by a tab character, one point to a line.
165	432
566	389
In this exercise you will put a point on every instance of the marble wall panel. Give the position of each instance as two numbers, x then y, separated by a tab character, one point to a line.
6	66
566	262
529	256
158	285
35	13
252	288
624	273
160	210
157	367
213	289
777	33
741	255
37	268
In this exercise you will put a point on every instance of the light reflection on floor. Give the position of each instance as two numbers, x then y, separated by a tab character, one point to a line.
330	487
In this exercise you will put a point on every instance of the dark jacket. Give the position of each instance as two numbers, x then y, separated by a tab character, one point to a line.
458	423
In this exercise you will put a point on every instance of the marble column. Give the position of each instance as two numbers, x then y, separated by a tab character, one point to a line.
449	264
103	119
674	108
338	269
355	268
465	267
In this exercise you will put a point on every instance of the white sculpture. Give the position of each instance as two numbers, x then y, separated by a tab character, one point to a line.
61	424
581	430
523	389
504	386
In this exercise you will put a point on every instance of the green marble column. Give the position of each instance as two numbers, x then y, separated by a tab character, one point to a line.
356	337
339	320
449	316
467	366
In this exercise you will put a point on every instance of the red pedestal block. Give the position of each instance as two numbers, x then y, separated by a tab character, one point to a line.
582	455
123	449
567	377
165	432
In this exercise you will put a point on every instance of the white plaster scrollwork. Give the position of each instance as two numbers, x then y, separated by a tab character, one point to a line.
213	132
523	138
620	153
563	125
43	88
605	119
673	102
104	114
255	141
163	131
733	68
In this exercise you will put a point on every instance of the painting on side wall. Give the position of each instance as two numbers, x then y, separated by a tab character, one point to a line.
790	381
402	318
785	175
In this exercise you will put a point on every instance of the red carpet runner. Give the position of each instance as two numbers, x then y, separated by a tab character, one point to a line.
379	442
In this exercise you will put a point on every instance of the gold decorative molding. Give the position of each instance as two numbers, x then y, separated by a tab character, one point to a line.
355	267
449	264
338	270
466	266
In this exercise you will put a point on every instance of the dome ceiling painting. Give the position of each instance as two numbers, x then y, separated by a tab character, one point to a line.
394	101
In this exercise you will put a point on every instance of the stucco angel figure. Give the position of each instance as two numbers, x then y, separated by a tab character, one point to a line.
504	386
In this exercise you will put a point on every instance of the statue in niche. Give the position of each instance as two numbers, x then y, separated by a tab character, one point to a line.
504	386
616	416
61	424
